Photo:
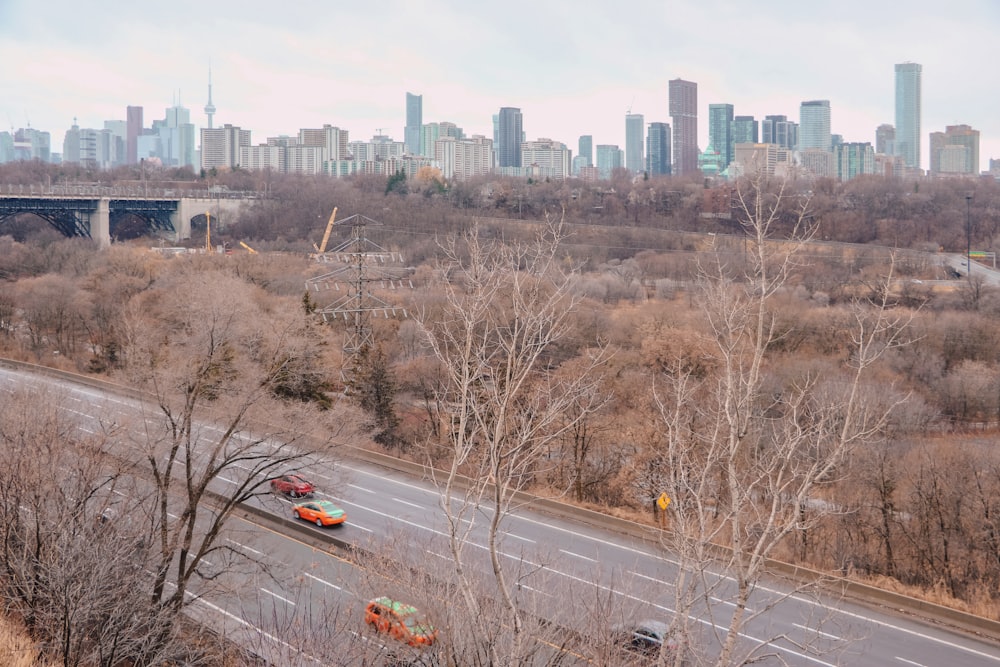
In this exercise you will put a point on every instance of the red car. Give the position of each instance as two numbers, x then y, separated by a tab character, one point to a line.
294	486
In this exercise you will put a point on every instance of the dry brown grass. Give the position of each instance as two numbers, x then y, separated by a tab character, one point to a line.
16	647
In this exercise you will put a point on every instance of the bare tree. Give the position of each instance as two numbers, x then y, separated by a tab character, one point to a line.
505	306
217	362
73	556
746	457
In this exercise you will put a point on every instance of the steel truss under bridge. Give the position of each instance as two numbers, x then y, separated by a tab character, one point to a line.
73	216
365	266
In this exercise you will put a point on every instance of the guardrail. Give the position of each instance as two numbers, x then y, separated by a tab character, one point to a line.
835	584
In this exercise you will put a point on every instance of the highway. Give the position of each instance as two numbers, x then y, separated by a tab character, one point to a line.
290	587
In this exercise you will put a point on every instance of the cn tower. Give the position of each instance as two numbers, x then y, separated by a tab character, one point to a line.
209	108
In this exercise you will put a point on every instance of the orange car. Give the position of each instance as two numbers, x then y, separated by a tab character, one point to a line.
320	512
401	621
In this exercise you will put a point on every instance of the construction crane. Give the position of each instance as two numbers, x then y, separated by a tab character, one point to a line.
208	232
321	248
249	249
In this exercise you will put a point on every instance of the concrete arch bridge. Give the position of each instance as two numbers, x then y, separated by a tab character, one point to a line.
99	212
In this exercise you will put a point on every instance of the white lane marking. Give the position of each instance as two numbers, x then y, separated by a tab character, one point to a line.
817	632
909	662
226	479
406	502
280	597
323	581
360	488
570	553
518	537
135	406
534	590
243	546
434	553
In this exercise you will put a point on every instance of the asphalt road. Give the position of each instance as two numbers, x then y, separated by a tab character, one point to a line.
289	583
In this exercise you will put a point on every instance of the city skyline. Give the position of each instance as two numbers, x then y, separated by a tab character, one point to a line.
275	73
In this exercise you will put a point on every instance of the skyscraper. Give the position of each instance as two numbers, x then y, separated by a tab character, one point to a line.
133	120
745	130
885	139
658	149
908	113
586	149
509	134
635	127
814	126
609	158
720	131
414	121
683	106
777	129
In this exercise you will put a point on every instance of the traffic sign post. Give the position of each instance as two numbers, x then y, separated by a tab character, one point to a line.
662	503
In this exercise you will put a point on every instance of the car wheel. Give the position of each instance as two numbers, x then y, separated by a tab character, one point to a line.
319	522
295	513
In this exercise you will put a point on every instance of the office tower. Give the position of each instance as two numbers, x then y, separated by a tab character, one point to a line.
210	108
176	134
885	139
118	130
635	126
6	147
609	158
683	107
955	151
745	131
658	149
509	136
908	113
586	149
780	131
720	131
854	159
414	122
814	126
133	119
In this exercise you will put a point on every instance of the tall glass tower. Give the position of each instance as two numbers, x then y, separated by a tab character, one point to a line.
509	137
414	122
586	148
683	107
814	125
908	113
658	149
720	131
635	127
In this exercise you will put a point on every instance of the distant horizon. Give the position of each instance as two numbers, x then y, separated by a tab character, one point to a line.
572	68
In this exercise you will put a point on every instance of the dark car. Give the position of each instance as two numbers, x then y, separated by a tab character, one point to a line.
292	485
646	637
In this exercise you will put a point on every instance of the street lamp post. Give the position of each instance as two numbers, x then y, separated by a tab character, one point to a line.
968	235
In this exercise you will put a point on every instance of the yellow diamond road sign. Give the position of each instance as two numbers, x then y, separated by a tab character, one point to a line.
663	501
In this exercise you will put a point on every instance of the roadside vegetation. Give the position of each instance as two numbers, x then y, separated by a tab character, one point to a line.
830	405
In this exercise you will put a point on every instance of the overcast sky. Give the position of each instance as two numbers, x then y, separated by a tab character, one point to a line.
572	67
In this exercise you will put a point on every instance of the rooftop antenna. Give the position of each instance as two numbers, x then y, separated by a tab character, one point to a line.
629	110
